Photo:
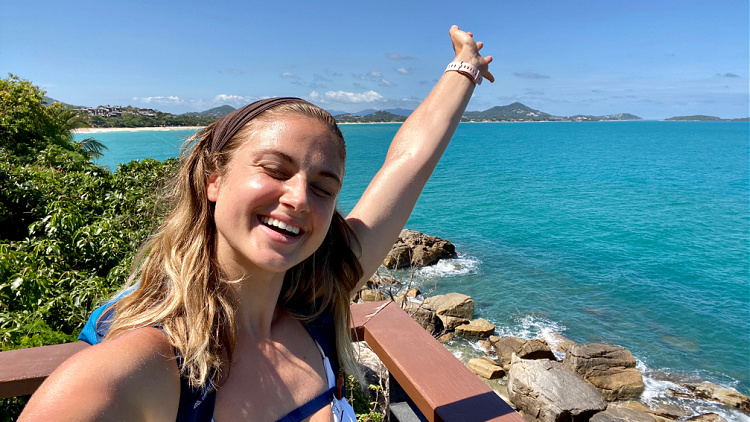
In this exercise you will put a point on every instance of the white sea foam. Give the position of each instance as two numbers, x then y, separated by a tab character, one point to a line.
531	326
656	395
462	265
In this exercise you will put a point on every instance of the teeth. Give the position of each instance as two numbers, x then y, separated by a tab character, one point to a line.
280	224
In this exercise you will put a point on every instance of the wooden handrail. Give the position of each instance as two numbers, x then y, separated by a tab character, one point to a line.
439	384
22	371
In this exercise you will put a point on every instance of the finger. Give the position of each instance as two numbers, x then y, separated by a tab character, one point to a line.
489	77
488	59
480	45
470	34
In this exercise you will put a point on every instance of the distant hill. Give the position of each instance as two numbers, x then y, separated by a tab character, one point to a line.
48	101
518	112
214	112
381	116
608	117
704	118
509	113
397	111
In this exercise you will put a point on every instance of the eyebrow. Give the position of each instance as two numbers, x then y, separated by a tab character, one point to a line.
288	158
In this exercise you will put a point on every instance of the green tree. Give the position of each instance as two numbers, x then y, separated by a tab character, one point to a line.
68	228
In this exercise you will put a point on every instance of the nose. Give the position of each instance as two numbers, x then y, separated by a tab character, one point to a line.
296	194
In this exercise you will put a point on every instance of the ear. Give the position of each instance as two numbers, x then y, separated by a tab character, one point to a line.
212	187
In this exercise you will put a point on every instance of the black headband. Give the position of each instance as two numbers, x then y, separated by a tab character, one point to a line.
229	125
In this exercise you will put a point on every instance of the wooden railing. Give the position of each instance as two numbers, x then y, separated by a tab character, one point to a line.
435	381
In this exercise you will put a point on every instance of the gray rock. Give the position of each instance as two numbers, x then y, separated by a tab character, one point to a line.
451	304
707	417
611	369
505	347
485	368
371	295
416	249
713	392
477	328
622	415
450	322
548	391
425	317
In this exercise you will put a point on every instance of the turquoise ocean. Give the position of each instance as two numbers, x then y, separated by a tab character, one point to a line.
627	233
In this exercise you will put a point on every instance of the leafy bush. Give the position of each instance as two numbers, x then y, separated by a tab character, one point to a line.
68	229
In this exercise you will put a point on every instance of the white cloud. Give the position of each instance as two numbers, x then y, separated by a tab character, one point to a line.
374	75
223	99
345	97
402	70
289	75
161	100
386	83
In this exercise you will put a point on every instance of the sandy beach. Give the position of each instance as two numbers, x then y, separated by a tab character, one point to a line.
135	129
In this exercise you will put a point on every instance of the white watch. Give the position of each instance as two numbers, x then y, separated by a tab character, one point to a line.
467	69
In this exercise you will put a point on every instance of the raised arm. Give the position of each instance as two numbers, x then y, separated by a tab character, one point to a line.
384	208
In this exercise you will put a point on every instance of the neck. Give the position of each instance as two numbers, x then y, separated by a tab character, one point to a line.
257	308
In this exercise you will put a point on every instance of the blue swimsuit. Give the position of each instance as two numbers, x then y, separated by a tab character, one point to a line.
197	403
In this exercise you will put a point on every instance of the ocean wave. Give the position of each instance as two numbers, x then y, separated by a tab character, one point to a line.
463	265
529	327
656	395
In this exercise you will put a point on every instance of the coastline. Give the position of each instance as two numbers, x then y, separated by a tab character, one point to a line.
135	129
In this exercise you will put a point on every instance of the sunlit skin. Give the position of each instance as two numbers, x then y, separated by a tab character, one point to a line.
289	170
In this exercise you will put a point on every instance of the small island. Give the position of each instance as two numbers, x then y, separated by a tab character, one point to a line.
704	118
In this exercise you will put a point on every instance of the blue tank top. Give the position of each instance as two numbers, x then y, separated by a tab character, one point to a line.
197	403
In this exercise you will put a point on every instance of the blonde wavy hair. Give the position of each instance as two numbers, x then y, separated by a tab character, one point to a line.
177	284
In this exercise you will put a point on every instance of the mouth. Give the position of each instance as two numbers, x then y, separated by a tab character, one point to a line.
280	226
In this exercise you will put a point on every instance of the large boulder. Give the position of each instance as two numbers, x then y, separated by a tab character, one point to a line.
425	317
451	304
371	295
479	327
713	392
706	417
550	392
622	415
611	369
416	249
506	347
485	368
450	322
559	343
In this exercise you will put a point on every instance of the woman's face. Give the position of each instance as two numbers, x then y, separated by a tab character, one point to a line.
275	201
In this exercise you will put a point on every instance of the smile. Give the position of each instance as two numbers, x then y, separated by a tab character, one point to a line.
280	226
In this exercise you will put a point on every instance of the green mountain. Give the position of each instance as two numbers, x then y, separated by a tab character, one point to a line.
698	117
608	117
381	116
214	112
510	113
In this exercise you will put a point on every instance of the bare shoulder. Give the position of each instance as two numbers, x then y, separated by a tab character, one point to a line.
133	377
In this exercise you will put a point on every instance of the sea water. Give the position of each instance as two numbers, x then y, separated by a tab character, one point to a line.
627	233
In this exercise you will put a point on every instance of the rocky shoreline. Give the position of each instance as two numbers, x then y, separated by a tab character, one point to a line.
553	379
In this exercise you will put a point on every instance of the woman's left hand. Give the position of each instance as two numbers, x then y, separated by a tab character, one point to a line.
467	50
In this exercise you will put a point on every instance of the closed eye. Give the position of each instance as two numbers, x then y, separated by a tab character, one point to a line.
323	191
276	172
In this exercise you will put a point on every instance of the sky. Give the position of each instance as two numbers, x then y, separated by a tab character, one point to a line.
655	59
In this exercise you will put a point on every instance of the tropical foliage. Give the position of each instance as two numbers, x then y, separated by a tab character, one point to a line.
68	228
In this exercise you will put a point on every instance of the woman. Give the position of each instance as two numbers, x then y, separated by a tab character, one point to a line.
246	285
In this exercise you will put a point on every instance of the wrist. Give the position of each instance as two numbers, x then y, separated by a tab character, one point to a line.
467	69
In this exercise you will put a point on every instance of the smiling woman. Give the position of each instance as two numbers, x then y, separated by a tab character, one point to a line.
238	306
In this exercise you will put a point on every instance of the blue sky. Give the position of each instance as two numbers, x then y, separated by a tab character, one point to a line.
655	59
